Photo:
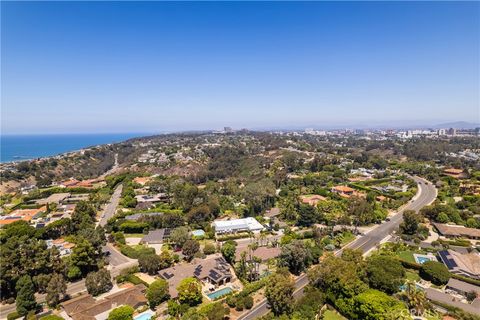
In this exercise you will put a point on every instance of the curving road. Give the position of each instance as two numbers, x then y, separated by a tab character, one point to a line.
111	207
426	194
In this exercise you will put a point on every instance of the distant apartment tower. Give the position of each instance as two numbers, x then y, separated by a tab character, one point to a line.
442	132
228	129
309	131
452	131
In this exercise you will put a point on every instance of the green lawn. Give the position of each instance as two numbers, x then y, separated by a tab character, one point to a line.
134	235
412	276
406	255
331	315
347	238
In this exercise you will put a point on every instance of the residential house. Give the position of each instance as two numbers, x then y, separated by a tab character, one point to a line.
263	253
142	180
346	192
138	216
462	287
64	247
312	200
470	188
273	212
237	225
455	231
213	270
53	198
74	198
22	214
159	197
85	307
455	173
435	295
158	236
466	264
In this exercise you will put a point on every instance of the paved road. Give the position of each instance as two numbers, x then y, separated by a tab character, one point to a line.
111	206
72	289
117	260
426	194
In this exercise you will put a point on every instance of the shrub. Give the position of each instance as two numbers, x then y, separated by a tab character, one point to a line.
130	278
121	313
133	227
435	272
136	252
248	302
98	282
239	304
231	301
13	315
51	317
209	248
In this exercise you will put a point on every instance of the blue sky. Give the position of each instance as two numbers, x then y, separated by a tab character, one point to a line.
155	66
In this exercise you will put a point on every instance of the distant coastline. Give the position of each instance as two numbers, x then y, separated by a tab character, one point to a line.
27	147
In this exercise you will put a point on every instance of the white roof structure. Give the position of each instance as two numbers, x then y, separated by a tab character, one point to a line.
236	225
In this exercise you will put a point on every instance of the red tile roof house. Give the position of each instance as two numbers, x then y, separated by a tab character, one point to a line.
346	192
312	200
455	173
22	214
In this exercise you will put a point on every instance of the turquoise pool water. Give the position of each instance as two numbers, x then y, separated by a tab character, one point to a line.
145	315
220	293
422	260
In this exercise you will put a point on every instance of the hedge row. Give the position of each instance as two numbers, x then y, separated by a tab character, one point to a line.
233	237
416	266
135	253
466	279
130	278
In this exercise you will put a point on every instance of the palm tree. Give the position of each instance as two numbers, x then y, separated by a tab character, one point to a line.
263	237
415	298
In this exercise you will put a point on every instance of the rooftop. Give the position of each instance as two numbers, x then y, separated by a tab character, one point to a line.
463	286
54	198
263	253
436	295
455	230
343	189
156	236
214	267
249	223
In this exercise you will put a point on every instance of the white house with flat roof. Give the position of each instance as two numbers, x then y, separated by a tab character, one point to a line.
237	225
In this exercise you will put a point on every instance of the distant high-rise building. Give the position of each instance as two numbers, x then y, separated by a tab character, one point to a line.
227	129
452	131
441	132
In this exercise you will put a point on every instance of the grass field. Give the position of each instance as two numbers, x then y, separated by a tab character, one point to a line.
407	256
331	315
412	276
134	235
347	238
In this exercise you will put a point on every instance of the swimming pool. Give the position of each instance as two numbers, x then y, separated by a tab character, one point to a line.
421	258
147	315
220	293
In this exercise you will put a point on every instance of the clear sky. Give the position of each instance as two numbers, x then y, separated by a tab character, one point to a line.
155	66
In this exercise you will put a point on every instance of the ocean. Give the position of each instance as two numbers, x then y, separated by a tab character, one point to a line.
26	147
